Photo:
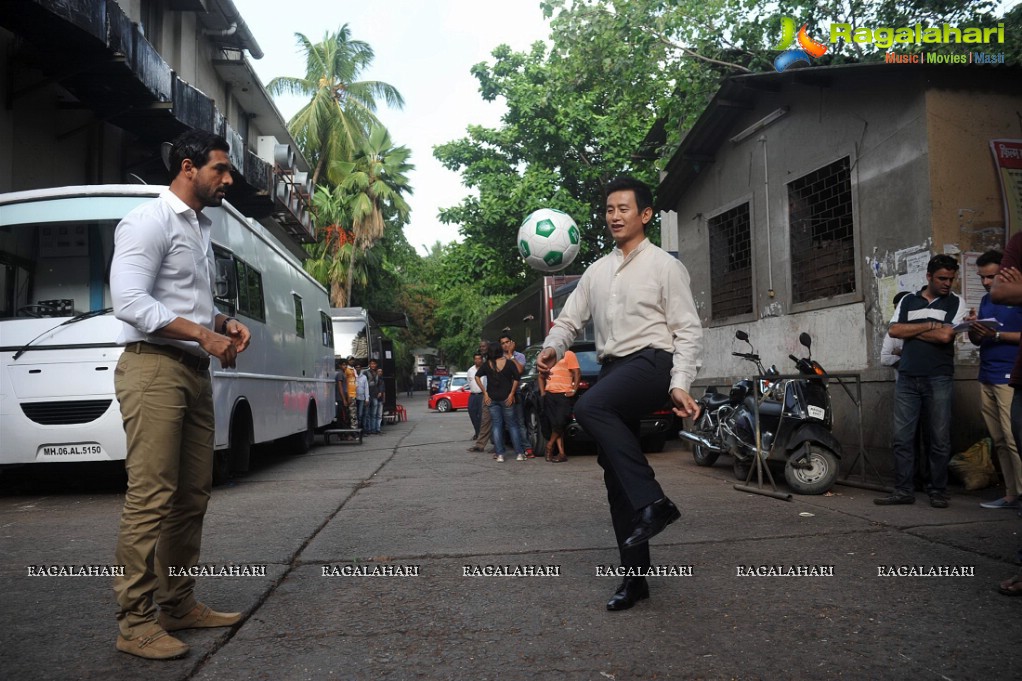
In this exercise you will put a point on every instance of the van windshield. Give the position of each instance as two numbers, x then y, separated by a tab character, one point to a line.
55	255
351	339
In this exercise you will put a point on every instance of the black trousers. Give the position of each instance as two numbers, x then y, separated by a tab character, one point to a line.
627	389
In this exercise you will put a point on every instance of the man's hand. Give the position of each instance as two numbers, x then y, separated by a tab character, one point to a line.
1010	275
684	405
980	332
546	359
221	347
945	333
239	335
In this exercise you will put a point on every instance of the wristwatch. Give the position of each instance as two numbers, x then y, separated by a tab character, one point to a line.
997	337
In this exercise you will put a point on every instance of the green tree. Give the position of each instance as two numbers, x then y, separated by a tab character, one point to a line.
614	92
341	108
375	182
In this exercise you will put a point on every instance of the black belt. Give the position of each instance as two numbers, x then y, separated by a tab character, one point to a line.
191	361
611	359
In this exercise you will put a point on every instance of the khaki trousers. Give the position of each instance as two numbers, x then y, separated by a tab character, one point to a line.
485	429
168	420
995	403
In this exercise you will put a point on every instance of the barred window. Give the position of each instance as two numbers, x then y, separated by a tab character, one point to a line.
822	235
730	263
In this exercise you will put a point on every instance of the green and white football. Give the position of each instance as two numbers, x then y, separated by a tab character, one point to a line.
548	240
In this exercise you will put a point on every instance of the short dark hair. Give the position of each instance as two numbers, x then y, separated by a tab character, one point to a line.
493	351
991	257
195	146
941	262
643	194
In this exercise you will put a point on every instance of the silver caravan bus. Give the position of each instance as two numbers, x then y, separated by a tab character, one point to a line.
58	336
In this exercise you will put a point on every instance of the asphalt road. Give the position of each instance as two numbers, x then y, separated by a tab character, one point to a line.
413	504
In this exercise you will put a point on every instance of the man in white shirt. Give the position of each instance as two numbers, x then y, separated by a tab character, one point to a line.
648	339
475	397
161	283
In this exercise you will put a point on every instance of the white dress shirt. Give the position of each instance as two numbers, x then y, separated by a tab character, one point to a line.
643	300
162	268
473	387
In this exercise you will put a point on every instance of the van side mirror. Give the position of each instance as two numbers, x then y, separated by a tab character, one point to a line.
225	288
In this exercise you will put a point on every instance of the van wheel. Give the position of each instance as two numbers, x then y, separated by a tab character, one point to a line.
221	466
241	444
304	441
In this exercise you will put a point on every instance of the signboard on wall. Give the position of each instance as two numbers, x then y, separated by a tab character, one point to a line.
1008	157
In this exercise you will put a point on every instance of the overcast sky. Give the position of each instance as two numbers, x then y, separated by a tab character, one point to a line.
423	49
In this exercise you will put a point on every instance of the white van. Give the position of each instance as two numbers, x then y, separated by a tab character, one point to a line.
58	335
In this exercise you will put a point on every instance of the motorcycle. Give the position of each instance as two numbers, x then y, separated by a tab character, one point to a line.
795	423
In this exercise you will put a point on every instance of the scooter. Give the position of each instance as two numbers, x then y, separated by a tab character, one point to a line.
708	439
795	424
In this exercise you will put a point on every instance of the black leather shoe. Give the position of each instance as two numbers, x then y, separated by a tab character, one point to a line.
651	520
631	591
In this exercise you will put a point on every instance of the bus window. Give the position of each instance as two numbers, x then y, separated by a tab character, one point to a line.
327	329
250	291
299	316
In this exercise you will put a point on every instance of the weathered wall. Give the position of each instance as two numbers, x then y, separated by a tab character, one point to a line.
922	181
967	210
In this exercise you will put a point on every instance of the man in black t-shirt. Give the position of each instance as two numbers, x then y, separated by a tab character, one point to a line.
1007	290
925	321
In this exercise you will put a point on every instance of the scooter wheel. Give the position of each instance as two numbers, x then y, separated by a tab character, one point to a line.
815	478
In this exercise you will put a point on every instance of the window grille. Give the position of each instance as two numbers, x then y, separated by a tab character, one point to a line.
730	263
822	233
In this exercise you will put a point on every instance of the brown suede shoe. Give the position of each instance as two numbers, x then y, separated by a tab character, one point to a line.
155	644
199	617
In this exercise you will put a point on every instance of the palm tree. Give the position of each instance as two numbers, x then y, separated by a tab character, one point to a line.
328	257
341	110
375	182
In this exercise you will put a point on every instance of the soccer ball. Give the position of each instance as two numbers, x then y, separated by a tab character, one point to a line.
548	240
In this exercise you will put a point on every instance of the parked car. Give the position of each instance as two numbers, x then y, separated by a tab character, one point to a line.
438	384
450	400
654	428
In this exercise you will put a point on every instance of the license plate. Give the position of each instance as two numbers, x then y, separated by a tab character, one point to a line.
817	412
72	450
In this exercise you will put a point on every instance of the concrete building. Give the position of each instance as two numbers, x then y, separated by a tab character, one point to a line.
93	88
804	200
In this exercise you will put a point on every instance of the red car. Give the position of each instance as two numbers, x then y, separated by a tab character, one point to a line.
450	400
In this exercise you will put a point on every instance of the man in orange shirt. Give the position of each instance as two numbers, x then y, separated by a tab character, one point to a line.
351	377
558	393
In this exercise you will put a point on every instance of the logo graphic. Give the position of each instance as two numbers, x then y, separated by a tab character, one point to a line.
806	49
